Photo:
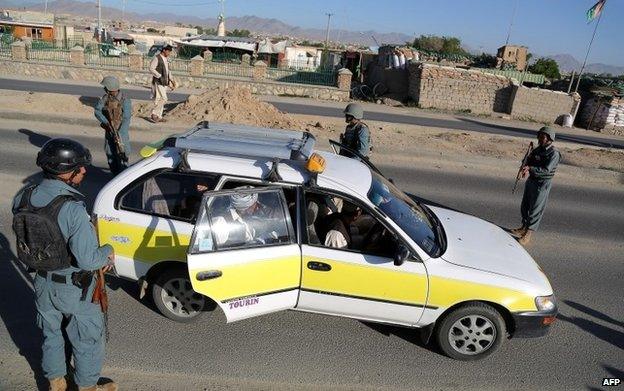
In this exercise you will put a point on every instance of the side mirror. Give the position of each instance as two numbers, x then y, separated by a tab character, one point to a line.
401	255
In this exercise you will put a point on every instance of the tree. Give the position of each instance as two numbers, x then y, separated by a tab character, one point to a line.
547	67
484	60
238	33
434	43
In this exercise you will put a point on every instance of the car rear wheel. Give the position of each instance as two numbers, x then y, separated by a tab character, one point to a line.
471	332
175	298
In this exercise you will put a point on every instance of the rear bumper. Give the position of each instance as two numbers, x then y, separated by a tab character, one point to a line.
533	324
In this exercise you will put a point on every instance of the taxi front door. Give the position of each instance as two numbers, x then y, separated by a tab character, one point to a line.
244	254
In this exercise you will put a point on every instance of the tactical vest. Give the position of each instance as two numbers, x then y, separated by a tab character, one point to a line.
164	75
113	110
541	157
40	242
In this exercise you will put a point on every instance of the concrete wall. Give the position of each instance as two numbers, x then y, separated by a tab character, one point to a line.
541	105
143	78
604	114
456	89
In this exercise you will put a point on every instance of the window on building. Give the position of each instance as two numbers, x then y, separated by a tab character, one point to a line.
34	33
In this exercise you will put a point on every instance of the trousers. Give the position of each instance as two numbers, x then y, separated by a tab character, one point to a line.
534	202
58	301
159	94
115	163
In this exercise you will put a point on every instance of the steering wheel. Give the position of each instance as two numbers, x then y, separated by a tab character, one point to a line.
375	235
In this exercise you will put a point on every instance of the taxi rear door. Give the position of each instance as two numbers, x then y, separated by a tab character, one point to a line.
244	253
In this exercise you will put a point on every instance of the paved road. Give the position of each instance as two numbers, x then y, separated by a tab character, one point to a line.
461	123
579	247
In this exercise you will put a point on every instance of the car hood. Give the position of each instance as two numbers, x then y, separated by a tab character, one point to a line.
481	245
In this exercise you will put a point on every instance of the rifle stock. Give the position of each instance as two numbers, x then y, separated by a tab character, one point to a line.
99	294
524	162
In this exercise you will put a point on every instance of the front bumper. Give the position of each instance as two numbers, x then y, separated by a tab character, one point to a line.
533	324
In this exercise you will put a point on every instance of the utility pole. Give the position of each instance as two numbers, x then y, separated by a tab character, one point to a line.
99	20
513	16
329	15
45	10
123	11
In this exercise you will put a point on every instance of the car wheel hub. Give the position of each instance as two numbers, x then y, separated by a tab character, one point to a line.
471	335
180	299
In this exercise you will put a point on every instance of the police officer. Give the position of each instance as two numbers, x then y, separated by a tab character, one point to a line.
540	169
114	111
356	135
58	297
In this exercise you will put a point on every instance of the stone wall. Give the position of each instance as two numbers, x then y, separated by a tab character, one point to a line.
535	104
605	114
143	78
456	89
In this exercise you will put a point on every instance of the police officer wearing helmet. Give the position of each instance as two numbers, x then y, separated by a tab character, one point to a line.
55	237
114	111
540	169
356	136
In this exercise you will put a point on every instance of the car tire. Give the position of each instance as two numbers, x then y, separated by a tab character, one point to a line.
174	297
471	332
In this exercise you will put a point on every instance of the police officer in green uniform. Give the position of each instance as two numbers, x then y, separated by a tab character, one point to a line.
540	169
63	286
356	136
114	111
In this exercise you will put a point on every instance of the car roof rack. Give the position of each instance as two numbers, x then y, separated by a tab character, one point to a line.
244	140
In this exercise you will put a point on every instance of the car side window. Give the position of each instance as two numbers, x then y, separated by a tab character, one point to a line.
242	218
334	222
169	194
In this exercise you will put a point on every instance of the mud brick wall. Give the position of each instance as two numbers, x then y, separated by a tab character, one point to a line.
539	105
456	89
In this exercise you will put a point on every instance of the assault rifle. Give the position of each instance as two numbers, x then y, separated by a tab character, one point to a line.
524	163
117	140
100	296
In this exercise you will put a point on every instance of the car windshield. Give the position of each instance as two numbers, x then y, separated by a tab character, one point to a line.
412	217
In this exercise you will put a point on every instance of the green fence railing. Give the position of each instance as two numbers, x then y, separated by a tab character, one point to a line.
5	50
42	53
179	65
320	76
99	59
522	77
227	57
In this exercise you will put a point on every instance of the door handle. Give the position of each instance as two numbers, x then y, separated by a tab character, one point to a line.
319	266
208	275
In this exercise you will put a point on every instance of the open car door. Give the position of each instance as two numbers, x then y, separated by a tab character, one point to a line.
244	253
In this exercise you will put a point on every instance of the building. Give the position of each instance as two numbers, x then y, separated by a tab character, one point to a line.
179	32
510	56
28	24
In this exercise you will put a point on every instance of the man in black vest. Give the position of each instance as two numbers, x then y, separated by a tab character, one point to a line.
338	226
161	79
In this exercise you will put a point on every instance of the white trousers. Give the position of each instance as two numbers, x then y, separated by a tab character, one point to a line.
159	94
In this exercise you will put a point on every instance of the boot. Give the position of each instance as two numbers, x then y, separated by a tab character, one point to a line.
112	386
526	237
518	231
58	384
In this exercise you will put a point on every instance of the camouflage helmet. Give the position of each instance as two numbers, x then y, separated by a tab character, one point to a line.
548	131
354	110
111	83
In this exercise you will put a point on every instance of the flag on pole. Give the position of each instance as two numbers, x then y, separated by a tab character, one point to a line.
595	11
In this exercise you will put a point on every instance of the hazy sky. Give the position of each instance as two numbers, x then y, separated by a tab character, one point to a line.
545	26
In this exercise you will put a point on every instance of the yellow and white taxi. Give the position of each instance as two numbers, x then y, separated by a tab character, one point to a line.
257	221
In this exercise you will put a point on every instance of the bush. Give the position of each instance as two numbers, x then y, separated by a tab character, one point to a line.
547	67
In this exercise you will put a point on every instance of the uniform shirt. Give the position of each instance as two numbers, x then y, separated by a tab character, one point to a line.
357	137
543	162
125	120
74	223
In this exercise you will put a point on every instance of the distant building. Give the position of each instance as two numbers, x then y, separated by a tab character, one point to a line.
33	25
175	31
510	55
221	26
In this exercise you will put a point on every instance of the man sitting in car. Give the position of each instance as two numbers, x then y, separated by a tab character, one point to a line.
338	226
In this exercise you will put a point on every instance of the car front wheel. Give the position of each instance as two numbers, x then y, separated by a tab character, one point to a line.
471	332
175	298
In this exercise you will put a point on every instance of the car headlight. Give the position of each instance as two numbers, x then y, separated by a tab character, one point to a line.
545	303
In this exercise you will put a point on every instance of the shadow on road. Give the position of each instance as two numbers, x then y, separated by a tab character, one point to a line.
607	334
18	311
410	335
532	133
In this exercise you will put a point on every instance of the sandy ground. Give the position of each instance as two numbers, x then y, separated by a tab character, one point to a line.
237	105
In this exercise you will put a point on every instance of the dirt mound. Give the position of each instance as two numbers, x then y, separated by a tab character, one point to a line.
234	105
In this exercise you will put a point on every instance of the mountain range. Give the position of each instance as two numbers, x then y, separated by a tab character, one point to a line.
268	26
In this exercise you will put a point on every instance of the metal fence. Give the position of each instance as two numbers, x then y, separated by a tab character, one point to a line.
178	65
226	69
5	50
43	53
98	59
320	76
513	74
227	57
